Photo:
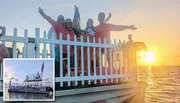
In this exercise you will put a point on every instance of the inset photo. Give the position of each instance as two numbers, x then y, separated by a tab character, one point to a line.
28	79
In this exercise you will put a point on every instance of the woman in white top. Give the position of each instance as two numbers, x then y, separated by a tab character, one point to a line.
90	29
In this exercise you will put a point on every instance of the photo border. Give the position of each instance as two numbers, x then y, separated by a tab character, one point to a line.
43	100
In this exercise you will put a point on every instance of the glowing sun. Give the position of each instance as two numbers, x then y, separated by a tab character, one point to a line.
149	57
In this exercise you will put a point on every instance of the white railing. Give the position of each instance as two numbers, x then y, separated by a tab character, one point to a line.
102	74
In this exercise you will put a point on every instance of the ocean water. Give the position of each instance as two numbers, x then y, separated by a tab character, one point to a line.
26	96
163	84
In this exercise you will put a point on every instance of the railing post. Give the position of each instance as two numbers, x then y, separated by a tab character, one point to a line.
115	57
61	59
52	47
82	60
44	49
100	61
88	60
37	35
68	60
94	52
111	62
14	46
25	48
75	60
106	59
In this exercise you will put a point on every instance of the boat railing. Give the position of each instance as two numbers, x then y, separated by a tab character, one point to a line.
33	77
84	74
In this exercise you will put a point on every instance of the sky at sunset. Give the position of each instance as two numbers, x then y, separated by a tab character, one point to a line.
158	21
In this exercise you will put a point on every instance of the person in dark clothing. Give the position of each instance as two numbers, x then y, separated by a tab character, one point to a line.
76	22
65	29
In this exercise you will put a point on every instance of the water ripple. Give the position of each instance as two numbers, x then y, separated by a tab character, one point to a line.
163	84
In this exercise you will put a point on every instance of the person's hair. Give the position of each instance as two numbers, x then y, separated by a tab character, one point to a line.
101	14
67	20
93	28
65	23
60	16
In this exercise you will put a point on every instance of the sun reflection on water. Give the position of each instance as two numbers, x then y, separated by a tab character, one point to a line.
149	78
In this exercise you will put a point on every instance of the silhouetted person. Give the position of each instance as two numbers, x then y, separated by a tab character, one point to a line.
131	58
130	38
65	29
76	22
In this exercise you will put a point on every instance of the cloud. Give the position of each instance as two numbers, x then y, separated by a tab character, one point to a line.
8	71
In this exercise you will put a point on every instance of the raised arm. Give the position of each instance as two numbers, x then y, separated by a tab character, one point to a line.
76	12
48	18
107	19
120	27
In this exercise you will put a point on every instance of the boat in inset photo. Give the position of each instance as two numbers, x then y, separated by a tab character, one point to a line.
28	80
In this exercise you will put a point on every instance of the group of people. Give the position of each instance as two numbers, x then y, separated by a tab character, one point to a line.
72	27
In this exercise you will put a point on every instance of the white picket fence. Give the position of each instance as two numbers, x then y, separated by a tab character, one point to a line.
112	72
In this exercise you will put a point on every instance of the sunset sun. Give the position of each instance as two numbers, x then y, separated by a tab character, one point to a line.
149	57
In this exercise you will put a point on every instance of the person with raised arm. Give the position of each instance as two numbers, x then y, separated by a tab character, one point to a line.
91	31
60	20
76	22
65	30
77	30
59	28
103	31
107	19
